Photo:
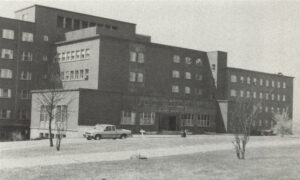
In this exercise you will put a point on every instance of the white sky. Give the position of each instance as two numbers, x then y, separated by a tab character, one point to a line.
260	35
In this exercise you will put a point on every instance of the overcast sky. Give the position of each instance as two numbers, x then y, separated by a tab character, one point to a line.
258	35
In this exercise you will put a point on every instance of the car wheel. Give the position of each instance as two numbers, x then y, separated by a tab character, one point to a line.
88	138
123	136
97	137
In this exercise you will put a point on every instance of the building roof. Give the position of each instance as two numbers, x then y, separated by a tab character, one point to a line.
259	72
57	9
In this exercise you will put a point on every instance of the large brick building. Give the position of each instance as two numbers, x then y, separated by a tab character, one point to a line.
113	74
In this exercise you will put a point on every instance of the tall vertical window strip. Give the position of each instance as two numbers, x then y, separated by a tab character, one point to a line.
5	114
5	93
147	118
128	118
7	54
6	73
27	37
8	34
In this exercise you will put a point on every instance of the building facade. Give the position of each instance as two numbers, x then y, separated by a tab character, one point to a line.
116	76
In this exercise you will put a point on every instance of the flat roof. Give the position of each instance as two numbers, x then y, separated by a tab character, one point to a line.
253	71
13	19
37	5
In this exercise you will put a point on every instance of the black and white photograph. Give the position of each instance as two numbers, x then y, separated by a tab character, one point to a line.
149	89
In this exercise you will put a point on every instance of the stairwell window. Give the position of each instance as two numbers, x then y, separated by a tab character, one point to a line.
7	54
27	37
203	120
8	34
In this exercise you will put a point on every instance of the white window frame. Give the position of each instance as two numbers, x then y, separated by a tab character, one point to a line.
232	92
8	34
133	56
233	78
175	88
187	90
27	37
4	94
147	118
128	118
175	74
176	59
6	73
188	75
7	54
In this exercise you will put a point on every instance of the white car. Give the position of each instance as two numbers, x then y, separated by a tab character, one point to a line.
106	131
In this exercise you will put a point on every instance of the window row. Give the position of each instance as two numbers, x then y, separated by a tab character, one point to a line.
200	120
187	90
187	75
7	74
137	57
60	112
262	82
73	55
26	36
5	114
80	74
145	118
26	55
271	109
261	95
74	24
187	60
136	77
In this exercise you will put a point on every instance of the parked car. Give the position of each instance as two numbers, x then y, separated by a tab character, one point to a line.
106	131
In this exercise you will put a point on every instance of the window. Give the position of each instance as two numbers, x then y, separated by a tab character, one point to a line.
260	95
45	58
233	78
175	89
82	53
278	84
128	118
67	75
248	80
175	74
198	77
5	114
283	98
132	76
63	56
188	75
278	97
92	24
8	34
140	77
284	85
267	83
72	75
86	74
133	56
242	79
6	73
272	96
198	91
188	60
254	81
44	113
213	67
147	118
45	38
203	120
232	92
68	24
60	21
273	83
272	109
26	56
141	57
84	24
187	119
61	113
24	114
5	93
77	54
25	75
81	74
27	37
76	74
25	94
76	24
187	90
87	53
7	54
242	93
267	96
68	56
199	62
176	59
254	95
248	94
267	109
72	55
261	82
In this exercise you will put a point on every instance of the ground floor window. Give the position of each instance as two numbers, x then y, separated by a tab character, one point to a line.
203	120
128	118
187	119
147	118
5	114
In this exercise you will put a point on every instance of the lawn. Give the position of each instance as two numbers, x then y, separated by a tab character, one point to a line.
261	163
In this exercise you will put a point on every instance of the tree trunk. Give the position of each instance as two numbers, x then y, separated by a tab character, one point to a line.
58	143
50	134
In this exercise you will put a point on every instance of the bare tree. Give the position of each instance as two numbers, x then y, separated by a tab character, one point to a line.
245	112
283	124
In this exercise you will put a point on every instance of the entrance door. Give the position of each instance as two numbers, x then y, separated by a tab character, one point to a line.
172	123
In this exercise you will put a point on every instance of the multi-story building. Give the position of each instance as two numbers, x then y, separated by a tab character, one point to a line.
271	93
109	74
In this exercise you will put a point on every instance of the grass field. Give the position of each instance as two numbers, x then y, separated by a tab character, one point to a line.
261	163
